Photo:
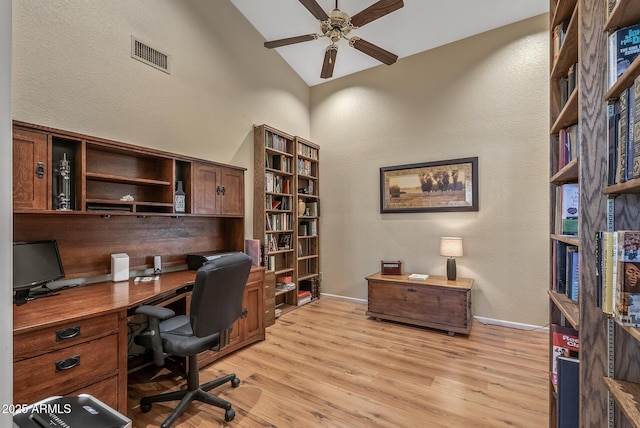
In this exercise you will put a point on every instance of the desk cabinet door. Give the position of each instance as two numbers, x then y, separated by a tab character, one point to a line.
30	170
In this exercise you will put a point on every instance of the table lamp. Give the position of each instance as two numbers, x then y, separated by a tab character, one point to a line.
451	247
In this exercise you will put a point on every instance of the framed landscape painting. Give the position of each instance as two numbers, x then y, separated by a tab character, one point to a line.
448	185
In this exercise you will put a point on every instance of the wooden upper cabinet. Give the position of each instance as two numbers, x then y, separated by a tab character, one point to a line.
217	190
30	170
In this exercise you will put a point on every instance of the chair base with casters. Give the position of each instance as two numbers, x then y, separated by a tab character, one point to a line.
216	303
194	391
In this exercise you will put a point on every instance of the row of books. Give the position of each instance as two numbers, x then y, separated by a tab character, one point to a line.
624	48
276	184
278	221
565	273
623	137
277	142
618	275
308	228
280	241
278	202
305	167
568	145
568	84
278	162
559	33
566	215
307	151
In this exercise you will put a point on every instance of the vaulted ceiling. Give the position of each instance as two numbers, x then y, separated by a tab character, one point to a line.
418	26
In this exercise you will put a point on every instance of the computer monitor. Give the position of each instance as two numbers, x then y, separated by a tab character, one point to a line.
34	265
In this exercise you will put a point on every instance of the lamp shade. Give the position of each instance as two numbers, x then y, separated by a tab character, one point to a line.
451	246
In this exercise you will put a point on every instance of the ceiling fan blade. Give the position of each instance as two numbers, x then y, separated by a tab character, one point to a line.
373	51
315	9
375	11
329	61
290	41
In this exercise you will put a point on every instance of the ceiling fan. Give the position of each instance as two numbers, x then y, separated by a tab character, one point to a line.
337	25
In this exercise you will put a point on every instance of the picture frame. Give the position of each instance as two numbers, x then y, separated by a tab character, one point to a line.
446	185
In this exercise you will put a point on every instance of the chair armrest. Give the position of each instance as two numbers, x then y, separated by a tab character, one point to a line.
154	315
155	311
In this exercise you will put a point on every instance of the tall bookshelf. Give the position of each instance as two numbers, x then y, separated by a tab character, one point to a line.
274	209
308	216
609	352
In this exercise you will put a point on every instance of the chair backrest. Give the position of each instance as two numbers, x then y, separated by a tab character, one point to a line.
216	301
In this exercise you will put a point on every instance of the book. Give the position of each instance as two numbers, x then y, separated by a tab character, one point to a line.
572	273
568	392
627	297
418	276
635	152
623	129
569	214
624	47
613	117
566	343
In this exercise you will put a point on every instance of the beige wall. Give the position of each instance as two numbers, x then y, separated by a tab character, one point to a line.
72	69
484	96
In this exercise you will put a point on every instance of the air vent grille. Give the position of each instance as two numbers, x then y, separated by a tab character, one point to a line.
150	56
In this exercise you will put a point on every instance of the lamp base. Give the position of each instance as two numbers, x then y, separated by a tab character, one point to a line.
451	269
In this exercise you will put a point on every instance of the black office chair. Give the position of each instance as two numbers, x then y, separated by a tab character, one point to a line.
216	303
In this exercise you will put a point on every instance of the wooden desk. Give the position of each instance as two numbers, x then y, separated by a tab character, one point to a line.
434	302
77	341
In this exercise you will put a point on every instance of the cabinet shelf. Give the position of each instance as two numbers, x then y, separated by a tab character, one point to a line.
624	81
627	396
631	186
126	180
623	14
568	308
568	115
567	239
309	276
568	173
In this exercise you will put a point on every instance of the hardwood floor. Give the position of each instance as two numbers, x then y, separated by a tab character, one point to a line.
329	365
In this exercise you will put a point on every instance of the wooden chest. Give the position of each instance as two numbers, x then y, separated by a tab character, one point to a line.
434	302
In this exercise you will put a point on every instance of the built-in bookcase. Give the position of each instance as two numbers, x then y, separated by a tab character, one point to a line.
308	217
582	94
274	210
286	216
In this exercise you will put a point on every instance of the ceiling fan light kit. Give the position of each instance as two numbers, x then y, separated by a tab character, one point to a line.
337	25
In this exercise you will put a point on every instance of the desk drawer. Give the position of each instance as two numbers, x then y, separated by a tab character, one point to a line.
65	370
38	342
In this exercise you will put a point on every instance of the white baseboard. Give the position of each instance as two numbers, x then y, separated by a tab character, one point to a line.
350	299
511	324
483	320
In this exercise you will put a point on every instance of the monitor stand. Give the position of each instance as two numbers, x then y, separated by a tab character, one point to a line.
23	296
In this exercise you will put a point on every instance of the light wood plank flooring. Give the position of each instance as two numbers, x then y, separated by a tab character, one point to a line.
328	365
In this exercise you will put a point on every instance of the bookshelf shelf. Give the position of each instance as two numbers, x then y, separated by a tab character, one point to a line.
568	174
568	308
567	239
626	395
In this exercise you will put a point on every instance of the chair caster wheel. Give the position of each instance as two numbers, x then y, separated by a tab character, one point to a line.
229	415
144	407
235	382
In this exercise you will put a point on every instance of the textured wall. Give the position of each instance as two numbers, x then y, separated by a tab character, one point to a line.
484	96
72	69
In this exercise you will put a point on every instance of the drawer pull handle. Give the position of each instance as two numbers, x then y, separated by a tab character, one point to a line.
412	290
67	363
68	333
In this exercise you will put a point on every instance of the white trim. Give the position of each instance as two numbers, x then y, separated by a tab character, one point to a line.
511	324
483	320
338	297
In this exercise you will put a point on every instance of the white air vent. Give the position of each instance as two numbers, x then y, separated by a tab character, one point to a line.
150	56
